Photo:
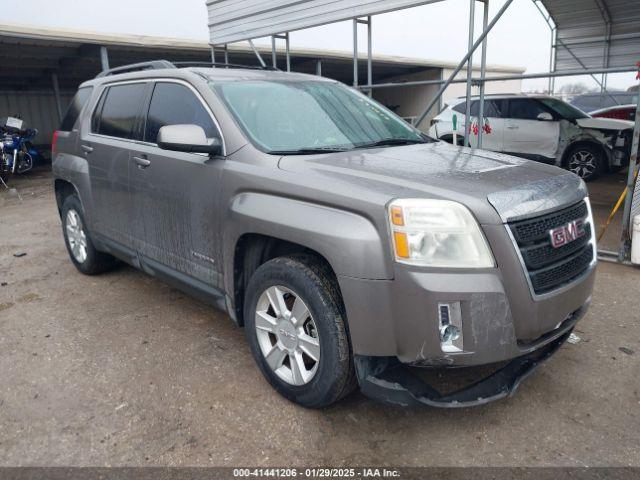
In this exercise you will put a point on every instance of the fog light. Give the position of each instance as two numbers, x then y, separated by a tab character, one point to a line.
449	333
450	327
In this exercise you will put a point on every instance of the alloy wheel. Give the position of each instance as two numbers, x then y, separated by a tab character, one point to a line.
287	335
583	163
76	236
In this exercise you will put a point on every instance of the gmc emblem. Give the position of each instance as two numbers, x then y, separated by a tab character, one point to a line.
566	233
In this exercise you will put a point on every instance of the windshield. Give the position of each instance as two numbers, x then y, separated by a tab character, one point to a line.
304	117
566	111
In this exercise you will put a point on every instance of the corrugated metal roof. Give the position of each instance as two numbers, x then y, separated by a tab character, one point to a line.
235	20
596	33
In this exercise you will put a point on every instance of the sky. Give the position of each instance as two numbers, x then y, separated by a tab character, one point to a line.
437	31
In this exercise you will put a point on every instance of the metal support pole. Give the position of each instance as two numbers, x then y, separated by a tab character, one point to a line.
467	110
319	67
287	51
213	56
456	70
369	56
274	56
56	92
552	61
226	54
255	50
355	52
623	253
483	71
104	58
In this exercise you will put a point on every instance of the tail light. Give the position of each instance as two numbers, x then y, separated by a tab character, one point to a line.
54	141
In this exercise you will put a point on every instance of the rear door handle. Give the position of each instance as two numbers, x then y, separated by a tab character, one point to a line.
86	148
142	162
513	127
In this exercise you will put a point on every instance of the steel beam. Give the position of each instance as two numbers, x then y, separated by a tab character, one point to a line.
447	82
467	110
319	67
104	58
274	56
257	53
56	93
369	56
287	51
483	71
355	52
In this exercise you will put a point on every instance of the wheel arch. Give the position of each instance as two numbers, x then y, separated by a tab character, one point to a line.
585	142
63	189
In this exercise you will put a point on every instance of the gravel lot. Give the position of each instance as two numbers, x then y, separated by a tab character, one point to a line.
121	369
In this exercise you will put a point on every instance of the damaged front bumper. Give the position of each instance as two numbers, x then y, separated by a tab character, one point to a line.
387	380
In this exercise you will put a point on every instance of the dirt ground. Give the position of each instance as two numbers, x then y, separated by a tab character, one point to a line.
121	369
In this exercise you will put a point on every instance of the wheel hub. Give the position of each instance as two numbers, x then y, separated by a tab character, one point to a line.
287	335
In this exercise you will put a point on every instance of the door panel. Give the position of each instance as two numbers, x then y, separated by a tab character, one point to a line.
107	149
175	193
525	134
492	137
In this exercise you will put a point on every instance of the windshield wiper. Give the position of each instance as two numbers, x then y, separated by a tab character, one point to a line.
308	151
391	142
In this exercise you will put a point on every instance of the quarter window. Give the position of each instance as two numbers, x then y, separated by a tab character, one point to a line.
175	104
80	98
117	110
490	108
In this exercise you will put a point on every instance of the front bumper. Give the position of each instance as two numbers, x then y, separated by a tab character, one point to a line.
389	381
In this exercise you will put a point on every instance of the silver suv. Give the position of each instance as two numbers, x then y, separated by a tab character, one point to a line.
351	247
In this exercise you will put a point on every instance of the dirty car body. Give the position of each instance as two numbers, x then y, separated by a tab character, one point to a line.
207	222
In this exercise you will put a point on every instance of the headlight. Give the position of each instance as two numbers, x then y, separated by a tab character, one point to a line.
437	233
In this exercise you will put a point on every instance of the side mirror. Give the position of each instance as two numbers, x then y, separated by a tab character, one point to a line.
187	138
545	117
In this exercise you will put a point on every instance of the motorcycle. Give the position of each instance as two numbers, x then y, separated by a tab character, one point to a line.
17	154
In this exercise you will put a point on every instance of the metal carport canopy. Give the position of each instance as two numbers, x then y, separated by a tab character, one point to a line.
595	33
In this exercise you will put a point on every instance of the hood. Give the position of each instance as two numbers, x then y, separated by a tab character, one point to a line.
604	123
495	187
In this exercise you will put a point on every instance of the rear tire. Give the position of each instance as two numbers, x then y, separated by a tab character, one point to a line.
78	241
305	336
586	161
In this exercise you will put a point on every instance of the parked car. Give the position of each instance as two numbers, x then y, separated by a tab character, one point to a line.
543	129
619	112
351	247
590	102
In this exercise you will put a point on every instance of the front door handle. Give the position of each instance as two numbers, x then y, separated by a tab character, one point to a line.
142	162
86	148
513	127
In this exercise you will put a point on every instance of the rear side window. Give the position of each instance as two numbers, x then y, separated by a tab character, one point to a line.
491	108
175	104
525	109
79	100
117	110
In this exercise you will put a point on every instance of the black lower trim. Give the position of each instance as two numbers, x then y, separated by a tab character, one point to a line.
386	379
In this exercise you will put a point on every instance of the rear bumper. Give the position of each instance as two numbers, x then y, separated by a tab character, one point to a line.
387	380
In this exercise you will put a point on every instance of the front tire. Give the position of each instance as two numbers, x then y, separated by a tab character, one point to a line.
586	161
295	324
78	241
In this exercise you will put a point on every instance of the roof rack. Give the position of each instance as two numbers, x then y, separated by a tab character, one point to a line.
222	64
135	67
163	64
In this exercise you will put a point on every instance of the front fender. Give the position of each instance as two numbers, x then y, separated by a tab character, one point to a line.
348	241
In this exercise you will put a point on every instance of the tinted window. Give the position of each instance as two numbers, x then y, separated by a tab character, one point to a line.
76	105
525	109
491	108
117	110
174	104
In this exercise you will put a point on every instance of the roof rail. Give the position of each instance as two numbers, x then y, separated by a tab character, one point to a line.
134	67
222	64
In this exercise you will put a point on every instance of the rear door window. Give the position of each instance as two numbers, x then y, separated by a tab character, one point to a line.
73	112
490	108
176	104
118	109
525	109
